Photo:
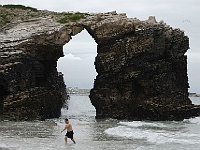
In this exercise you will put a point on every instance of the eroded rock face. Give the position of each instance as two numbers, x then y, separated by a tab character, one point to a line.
142	70
32	87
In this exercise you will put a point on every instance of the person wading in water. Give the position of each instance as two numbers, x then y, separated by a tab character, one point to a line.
70	132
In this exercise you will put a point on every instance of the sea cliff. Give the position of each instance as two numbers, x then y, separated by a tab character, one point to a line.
141	65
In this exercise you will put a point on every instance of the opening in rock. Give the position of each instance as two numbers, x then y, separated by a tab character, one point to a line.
78	68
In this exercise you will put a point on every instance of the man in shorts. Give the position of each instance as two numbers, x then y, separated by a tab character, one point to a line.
70	132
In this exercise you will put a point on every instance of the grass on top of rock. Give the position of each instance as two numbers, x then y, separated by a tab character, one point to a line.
72	17
19	7
4	19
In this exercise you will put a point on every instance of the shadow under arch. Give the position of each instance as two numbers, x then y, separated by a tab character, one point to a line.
3	92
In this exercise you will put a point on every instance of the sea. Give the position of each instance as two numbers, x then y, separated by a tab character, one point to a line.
106	134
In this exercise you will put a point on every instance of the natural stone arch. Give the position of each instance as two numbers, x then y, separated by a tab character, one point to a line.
142	70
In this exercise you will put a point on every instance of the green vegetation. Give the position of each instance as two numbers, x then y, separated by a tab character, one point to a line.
3	15
4	18
11	13
72	17
20	7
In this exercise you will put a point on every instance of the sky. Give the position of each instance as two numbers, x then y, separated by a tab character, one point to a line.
80	52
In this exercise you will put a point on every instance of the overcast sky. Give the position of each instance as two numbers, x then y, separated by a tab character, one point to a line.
78	63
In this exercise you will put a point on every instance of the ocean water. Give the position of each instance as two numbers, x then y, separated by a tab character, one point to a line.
92	134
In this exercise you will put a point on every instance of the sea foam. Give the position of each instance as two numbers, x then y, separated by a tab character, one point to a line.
142	124
146	131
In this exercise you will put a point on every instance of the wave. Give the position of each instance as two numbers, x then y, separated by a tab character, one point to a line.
142	124
155	132
4	147
195	120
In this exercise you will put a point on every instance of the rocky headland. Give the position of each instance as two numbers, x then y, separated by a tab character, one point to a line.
141	65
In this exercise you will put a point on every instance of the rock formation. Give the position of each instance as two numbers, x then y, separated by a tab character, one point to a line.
142	71
141	66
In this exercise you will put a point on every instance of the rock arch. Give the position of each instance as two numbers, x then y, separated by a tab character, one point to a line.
141	66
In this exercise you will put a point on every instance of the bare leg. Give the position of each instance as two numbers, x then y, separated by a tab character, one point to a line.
65	139
73	141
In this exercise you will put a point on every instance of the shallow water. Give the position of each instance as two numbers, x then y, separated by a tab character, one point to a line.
100	134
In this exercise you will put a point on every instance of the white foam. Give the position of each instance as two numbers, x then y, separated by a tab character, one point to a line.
140	124
152	136
195	120
3	145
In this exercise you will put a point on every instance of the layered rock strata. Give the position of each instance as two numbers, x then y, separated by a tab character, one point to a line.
142	72
31	87
141	66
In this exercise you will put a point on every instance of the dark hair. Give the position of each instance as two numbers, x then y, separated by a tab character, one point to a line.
66	119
